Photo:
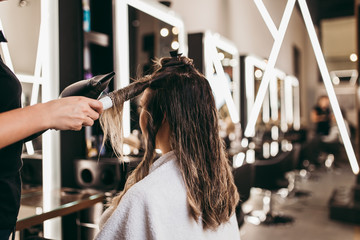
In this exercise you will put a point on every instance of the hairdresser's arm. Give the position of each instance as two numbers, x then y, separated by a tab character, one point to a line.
70	113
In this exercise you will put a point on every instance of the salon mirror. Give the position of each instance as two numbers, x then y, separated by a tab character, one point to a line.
144	31
272	110
149	39
221	68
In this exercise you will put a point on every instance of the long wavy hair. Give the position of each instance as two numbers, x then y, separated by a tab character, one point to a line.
183	96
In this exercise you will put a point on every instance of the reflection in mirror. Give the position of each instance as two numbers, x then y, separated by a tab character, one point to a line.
292	98
143	31
252	72
149	39
222	71
218	59
272	113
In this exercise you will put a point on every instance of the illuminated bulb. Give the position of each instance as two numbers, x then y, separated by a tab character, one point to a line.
175	30
164	32
221	56
353	57
38	210
250	156
289	147
233	62
238	160
244	142
175	45
303	173
226	62
329	161
336	80
275	133
274	148
266	150
126	149
258	73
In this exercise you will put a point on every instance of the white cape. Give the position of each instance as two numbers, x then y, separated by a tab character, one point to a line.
156	208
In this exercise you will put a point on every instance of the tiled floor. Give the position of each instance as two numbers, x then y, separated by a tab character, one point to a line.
311	213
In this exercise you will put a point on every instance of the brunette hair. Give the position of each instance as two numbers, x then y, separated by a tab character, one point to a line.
183	96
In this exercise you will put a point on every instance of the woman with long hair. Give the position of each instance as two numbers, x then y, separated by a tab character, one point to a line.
189	192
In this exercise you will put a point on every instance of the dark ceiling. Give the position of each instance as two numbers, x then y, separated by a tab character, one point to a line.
326	9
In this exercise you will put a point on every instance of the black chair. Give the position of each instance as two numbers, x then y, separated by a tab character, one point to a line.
244	179
294	174
270	176
104	174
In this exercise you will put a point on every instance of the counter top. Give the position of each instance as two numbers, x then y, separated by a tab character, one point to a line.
36	207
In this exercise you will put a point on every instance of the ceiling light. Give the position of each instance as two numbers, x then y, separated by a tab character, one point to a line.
353	57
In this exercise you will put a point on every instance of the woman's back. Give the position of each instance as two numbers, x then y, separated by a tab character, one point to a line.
156	208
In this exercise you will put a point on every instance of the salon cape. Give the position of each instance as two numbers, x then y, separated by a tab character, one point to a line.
156	208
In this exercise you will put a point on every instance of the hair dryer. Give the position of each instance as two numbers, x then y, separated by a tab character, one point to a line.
91	88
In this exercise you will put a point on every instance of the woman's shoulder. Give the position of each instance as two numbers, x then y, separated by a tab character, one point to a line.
164	181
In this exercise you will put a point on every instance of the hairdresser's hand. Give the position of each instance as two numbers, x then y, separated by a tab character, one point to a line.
72	113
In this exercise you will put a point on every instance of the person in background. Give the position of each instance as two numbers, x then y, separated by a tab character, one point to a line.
189	192
321	116
329	143
18	123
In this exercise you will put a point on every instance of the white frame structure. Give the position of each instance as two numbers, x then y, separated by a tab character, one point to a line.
211	42
278	35
121	41
50	70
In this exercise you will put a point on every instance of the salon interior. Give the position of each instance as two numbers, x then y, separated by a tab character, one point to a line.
267	62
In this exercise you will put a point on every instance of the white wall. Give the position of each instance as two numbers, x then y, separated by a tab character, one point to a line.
241	22
339	32
21	26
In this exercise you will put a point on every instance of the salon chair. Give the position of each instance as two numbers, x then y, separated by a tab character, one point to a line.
244	179
293	175
335	154
299	138
104	174
296	136
270	177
